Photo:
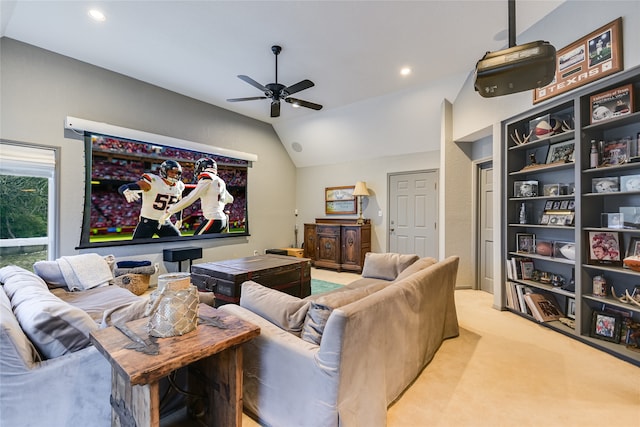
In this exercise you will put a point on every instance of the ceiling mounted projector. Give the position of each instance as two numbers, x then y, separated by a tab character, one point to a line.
516	69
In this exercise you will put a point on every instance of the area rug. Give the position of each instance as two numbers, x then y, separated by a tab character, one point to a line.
320	286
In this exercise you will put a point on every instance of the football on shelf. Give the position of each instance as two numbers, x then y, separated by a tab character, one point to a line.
633	262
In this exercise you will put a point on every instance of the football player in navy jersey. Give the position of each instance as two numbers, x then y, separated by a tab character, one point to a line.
213	195
158	193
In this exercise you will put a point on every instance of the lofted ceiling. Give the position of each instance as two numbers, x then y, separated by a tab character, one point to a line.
352	50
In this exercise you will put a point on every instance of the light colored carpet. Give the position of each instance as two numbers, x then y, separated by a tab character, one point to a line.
504	370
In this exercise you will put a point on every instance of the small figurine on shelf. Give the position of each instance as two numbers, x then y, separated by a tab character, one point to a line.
532	159
594	156
523	214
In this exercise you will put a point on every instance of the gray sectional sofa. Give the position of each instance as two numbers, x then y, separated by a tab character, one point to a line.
341	358
50	374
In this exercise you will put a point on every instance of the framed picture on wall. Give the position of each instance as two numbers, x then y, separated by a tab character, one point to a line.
340	200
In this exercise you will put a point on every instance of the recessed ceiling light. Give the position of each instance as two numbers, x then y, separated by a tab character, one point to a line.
405	71
97	15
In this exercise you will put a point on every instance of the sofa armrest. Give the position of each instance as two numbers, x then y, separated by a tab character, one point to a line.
281	372
73	389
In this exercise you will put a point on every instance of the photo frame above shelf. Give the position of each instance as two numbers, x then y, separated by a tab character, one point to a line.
594	56
340	200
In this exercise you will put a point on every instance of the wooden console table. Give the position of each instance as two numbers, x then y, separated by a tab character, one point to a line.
337	243
213	357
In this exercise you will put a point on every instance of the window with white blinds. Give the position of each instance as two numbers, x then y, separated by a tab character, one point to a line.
27	203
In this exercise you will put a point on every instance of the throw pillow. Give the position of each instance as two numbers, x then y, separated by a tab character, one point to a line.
53	326
17	351
321	308
386	266
314	323
421	264
283	310
51	273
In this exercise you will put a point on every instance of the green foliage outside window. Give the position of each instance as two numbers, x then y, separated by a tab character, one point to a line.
24	202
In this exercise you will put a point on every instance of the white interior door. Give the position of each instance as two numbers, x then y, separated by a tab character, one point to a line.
485	227
413	213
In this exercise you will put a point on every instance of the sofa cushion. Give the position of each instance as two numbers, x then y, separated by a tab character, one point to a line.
321	309
106	305
18	353
386	266
420	264
283	310
53	326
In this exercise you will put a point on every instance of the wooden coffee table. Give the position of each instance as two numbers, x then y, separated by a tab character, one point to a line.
212	355
287	274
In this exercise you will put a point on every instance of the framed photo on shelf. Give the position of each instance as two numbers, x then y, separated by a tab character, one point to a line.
561	152
612	103
609	184
634	247
545	219
525	243
568	220
548	205
604	248
340	200
571	308
557	219
606	326
632	337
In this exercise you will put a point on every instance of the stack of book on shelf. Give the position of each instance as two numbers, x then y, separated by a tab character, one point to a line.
520	268
515	297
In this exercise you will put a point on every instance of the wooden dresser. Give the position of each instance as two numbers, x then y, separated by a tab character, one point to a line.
337	243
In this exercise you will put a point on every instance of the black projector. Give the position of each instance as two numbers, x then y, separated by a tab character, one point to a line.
515	69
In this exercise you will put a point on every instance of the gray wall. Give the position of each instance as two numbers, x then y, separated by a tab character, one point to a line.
40	88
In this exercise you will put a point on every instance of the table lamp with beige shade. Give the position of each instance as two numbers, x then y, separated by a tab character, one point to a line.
360	191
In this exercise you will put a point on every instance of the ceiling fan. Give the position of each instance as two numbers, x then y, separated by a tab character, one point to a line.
277	92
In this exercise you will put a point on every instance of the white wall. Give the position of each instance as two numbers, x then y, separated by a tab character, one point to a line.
40	88
313	180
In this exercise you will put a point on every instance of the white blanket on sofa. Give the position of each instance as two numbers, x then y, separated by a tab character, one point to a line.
85	271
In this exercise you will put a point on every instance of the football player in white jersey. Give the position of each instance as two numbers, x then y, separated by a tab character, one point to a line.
213	195
158	193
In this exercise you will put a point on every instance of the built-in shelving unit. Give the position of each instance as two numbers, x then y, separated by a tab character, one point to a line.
566	220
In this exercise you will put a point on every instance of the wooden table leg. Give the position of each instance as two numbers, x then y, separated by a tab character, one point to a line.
219	378
137	405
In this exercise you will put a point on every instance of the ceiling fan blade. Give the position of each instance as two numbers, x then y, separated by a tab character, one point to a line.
275	109
303	103
304	84
252	98
253	83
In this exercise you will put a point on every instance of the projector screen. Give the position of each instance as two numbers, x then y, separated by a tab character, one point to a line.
112	161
